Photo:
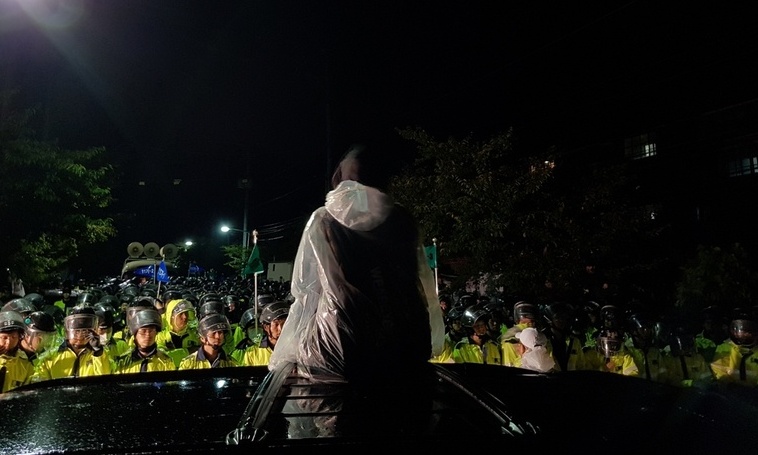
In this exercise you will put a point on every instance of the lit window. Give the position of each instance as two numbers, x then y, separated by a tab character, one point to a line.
743	166
639	147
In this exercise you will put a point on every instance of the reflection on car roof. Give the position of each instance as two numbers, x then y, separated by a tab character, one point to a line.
290	406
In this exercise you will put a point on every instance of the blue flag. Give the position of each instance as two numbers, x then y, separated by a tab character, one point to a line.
162	272
147	270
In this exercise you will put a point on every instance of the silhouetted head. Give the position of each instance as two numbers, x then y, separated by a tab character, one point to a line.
363	165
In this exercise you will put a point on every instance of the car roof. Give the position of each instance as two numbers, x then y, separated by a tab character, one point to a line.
249	409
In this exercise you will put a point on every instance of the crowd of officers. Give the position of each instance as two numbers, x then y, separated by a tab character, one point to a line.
716	346
131	327
136	328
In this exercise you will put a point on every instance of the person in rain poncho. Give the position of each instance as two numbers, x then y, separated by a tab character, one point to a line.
534	354
361	283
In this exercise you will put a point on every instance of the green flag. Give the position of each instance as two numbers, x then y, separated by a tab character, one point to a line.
431	255
254	264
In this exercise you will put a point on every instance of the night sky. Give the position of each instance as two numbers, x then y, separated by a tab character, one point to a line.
209	92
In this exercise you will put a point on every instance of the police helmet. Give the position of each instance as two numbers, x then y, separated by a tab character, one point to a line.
273	311
109	299
466	300
591	308
743	329
609	343
209	297
558	314
496	309
642	329
20	305
145	317
55	312
233	300
104	318
472	314
138	304
611	316
40	325
247	319
87	297
213	323
682	340
35	299
82	320
525	310
171	294
145	301
265	299
191	298
453	316
11	321
131	290
149	292
210	307
108	308
40	321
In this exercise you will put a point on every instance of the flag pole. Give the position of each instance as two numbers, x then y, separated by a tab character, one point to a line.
436	280
255	283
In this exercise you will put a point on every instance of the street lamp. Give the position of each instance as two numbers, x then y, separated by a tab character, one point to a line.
226	228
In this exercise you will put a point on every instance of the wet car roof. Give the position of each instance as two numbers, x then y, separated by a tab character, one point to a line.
249	410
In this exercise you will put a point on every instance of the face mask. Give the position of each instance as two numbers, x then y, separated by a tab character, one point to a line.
104	339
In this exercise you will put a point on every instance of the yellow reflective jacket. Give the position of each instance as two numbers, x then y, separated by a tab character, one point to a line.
446	356
117	347
688	370
240	349
16	369
511	358
467	352
653	361
621	363
132	362
574	352
65	363
178	345
728	359
168	340
198	361
258	354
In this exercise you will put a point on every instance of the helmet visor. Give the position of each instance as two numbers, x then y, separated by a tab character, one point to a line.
46	339
183	307
743	332
608	346
80	322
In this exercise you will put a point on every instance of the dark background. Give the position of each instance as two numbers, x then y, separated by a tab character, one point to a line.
189	97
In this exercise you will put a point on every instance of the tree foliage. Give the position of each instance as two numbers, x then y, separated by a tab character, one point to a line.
53	201
716	276
516	218
236	257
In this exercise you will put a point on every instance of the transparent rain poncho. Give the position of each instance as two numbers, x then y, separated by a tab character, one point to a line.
365	297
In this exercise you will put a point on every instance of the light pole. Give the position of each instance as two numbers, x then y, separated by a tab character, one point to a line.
226	228
245	184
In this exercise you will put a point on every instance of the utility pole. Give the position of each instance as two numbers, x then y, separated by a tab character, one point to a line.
244	183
